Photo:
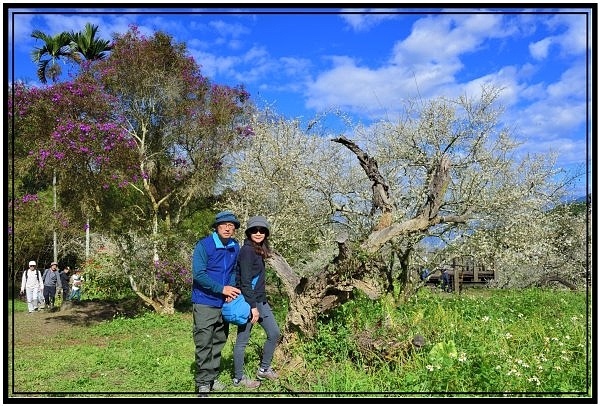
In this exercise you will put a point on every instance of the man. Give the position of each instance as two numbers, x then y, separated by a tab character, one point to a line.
65	277
31	285
51	283
213	268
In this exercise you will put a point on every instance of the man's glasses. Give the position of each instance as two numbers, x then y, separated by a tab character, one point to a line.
256	230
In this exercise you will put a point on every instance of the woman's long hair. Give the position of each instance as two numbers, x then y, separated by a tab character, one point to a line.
263	249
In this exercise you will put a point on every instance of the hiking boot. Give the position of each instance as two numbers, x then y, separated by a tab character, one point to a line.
266	373
217	385
203	390
248	383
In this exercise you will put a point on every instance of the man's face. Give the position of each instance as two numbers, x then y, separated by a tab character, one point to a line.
225	230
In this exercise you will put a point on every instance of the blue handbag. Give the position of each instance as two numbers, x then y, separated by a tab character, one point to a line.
238	310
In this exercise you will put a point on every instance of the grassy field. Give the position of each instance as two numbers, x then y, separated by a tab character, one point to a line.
480	343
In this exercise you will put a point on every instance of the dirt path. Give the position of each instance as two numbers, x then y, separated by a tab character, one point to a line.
29	326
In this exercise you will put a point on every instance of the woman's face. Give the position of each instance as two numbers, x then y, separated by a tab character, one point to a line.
258	234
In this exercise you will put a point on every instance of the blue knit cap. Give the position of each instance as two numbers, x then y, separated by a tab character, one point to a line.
226	217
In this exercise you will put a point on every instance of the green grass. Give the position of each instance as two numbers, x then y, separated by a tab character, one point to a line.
489	343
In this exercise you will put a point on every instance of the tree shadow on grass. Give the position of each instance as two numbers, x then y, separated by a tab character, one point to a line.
89	312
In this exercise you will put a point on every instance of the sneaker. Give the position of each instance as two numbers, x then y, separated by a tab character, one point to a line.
217	385
203	390
266	373
248	383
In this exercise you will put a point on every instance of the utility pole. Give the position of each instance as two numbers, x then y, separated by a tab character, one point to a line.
54	228
87	238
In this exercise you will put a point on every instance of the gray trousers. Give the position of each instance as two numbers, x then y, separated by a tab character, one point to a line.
269	324
210	335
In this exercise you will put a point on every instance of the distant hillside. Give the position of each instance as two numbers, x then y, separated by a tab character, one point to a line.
580	199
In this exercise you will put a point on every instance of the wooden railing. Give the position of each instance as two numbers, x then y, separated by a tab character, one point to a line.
468	275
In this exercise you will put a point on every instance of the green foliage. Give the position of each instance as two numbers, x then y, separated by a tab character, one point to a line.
173	277
486	341
443	354
47	56
573	209
198	224
104	278
531	343
333	342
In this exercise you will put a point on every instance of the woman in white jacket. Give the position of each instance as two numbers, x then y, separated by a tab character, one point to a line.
32	284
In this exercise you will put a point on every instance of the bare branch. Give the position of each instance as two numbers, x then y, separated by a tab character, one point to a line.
437	189
381	196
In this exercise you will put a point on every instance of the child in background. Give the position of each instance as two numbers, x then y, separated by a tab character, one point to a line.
76	288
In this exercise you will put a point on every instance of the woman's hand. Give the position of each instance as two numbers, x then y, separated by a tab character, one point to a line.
255	315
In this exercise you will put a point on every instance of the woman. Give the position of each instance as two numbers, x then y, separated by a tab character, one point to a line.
251	264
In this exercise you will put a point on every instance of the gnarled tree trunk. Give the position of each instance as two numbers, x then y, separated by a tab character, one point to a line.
164	305
312	295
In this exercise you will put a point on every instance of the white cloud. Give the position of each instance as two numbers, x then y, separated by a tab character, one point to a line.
558	113
539	49
212	65
423	65
363	22
225	29
21	29
572	40
446	37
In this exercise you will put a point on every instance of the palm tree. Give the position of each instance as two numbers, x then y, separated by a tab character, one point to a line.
53	49
85	45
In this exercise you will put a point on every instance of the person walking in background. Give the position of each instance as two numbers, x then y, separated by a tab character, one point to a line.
65	277
446	286
41	294
251	265
76	288
31	285
213	268
51	283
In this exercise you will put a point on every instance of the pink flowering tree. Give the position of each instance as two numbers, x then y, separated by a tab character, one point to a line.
182	128
140	140
65	129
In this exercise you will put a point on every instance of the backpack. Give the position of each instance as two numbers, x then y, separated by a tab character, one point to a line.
37	274
238	310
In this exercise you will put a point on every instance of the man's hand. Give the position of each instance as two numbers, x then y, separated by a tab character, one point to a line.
231	291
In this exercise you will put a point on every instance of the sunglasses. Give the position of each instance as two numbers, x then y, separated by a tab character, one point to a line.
256	230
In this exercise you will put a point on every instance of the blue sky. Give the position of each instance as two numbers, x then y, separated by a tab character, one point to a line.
368	62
